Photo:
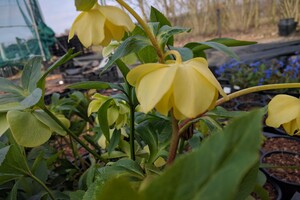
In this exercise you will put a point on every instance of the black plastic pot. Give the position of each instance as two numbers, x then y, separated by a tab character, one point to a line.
274	186
270	131
288	188
284	143
287	26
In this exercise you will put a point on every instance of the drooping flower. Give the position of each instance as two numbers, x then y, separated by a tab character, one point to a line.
100	25
117	113
189	88
284	110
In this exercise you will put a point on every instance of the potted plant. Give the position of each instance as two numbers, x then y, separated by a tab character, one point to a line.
282	171
156	137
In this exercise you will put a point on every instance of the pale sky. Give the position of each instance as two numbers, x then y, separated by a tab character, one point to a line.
58	14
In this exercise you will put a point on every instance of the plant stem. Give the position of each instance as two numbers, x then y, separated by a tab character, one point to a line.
174	140
131	137
257	89
185	123
42	184
69	132
145	27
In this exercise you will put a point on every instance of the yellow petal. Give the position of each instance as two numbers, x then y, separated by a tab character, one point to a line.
102	141
116	32
201	65
291	127
160	162
94	106
193	93
112	115
117	17
298	125
165	104
89	27
282	109
178	115
138	72
153	86
100	97
108	37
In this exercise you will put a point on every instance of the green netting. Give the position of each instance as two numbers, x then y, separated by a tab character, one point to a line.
18	38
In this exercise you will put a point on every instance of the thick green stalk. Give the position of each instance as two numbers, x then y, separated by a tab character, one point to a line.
257	89
145	27
69	132
43	185
132	149
174	140
185	124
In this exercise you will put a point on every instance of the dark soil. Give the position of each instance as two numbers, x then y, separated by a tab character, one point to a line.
229	105
281	144
273	193
288	174
246	106
252	97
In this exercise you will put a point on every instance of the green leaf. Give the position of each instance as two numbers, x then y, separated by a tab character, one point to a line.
31	73
123	67
186	53
225	157
27	130
39	167
150	138
232	42
125	191
49	122
32	99
10	97
87	85
84	5
261	178
197	46
222	112
3	152
157	16
8	86
13	195
3	124
130	45
94	191
102	117
222	48
261	192
87	178
248	183
114	141
65	58
123	167
77	195
166	32
14	164
155	133
114	154
148	54
11	106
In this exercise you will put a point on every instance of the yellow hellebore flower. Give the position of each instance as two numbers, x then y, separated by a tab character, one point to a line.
100	25
117	113
284	110
188	87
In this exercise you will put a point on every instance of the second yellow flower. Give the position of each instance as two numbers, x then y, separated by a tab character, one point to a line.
189	87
